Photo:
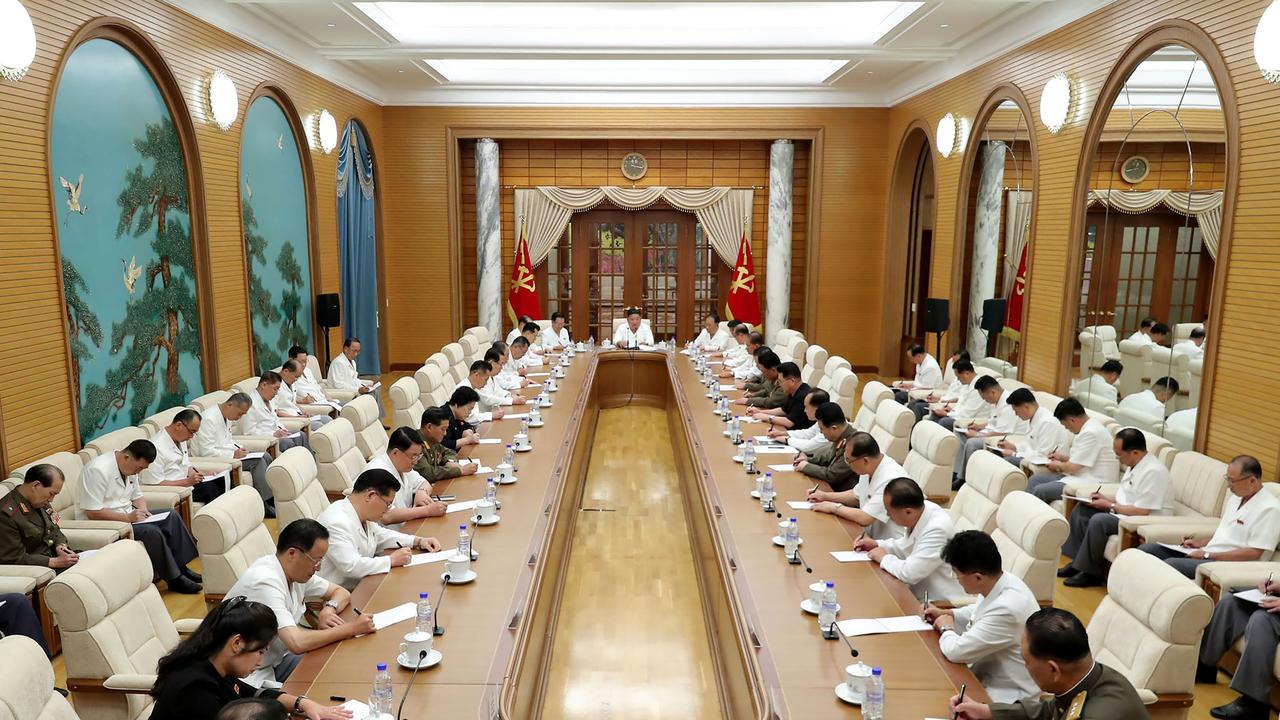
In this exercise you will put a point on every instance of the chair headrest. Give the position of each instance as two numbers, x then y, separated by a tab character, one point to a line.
439	360
895	418
117	439
333	440
1046	400
27	686
816	356
844	384
834	363
1199	481
469	344
1133	347
1159	597
295	464
404	392
246	385
874	393
428	378
208	400
68	462
453	351
361	411
937	444
219	525
992	476
1032	524
164	417
99	585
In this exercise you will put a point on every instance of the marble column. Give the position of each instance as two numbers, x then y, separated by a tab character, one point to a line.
777	290
488	237
986	243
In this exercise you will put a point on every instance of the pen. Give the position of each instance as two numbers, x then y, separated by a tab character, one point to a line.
353	607
337	698
959	700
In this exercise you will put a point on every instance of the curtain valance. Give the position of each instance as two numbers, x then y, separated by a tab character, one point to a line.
353	154
1205	205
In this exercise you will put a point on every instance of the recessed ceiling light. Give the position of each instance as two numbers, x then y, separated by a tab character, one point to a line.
400	71
332	25
692	72
871	72
944	26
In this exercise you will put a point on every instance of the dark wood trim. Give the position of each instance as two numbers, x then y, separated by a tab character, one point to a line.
916	136
1165	32
384	305
813	234
48	623
454	205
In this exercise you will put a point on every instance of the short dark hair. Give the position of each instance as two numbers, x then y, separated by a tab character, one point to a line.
480	366
530	327
557	315
768	359
1197	332
436	415
296	350
902	493
1055	634
289	365
1114	366
830	414
301	535
1159	329
1132	439
741	329
498	345
252	708
378	480
346	343
270	377
141	450
1167	383
818	398
633	311
973	551
464	395
1147	322
186	415
522	320
492	356
915	349
755	338
1248	465
1022	396
789	370
961	354
960	366
863	445
715	317
44	473
734	323
520	341
986	382
403	438
1069	408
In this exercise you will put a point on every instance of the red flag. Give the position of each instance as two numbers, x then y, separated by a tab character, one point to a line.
1017	297
522	299
743	303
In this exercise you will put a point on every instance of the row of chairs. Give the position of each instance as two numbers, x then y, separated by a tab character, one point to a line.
1143	363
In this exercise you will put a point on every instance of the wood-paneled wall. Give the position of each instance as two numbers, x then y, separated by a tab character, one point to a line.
1168	162
1088	49
35	385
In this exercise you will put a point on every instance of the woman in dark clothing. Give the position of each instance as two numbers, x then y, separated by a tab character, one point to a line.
460	405
201	674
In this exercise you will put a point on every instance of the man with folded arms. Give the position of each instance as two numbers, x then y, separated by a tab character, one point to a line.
413	499
810	439
1249	528
358	545
915	559
1091	461
261	418
768	392
790	414
438	462
213	440
28	533
172	466
285	582
1004	421
928	375
488	405
828	462
110	491
1254	678
987	636
864	504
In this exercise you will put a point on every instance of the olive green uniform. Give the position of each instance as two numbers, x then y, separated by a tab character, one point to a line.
434	463
827	463
28	535
1103	694
770	394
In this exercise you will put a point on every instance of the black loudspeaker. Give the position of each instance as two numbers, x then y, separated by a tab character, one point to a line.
993	312
937	315
328	310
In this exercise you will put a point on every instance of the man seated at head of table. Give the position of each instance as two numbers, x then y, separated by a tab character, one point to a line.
358	545
928	375
556	337
810	439
1004	420
504	396
438	461
1056	650
461	406
712	338
285	582
519	328
1249	529
510	370
915	558
827	463
768	392
487	406
1102	383
790	414
864	503
1091	460
413	499
633	333
1146	488
172	466
289	402
976	404
987	636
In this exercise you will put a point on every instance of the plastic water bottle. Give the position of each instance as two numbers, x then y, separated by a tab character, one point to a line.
767	493
873	705
827	611
509	456
792	541
749	455
491	491
464	542
425	623
524	426
380	700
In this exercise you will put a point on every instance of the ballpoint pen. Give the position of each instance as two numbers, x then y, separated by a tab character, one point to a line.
959	700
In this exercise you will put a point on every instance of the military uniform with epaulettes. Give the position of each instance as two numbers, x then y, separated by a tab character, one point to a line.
28	535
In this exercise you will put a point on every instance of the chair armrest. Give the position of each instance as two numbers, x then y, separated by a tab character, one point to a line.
1235	574
130	683
1084	489
1190	524
1172	532
186	626
294	424
81	539
958	601
214	465
1146	696
37	573
255	443
18	584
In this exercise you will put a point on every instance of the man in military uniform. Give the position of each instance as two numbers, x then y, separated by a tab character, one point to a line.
28	533
767	393
438	462
1055	647
828	463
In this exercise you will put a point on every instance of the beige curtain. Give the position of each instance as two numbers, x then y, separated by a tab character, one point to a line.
1017	228
1205	205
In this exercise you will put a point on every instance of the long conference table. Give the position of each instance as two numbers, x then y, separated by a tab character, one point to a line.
771	660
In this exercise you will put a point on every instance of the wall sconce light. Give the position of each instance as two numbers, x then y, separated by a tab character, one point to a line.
1056	101
17	40
948	128
223	99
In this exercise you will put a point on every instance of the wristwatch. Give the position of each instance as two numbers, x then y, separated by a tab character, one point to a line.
1207	556
331	604
297	704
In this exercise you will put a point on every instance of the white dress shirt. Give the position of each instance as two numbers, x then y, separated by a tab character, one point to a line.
1005	420
1097	386
916	558
1144	402
410	483
102	487
1142	337
515	332
550	339
354	546
1147	485
286	401
949	374
306	384
171	463
807	440
971	406
624	336
988	637
492	395
706	342
1255	524
343	374
214	439
1046	436
1190	349
509	377
477	415
1184	420
260	419
870	493
1092	448
928	374
264	582
957	390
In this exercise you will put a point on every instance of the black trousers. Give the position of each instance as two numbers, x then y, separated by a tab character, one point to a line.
168	544
17	617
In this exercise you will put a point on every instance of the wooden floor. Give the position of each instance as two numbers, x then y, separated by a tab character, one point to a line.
630	640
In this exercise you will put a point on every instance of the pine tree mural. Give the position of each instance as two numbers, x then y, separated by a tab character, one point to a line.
261	307
291	301
80	320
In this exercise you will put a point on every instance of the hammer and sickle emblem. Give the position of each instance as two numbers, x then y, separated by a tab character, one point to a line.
1020	285
742	281
525	280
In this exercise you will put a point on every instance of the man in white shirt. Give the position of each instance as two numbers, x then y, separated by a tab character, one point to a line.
344	375
521	359
633	333
740	357
1249	529
916	558
413	499
809	439
928	375
555	337
975	405
1259	625
358	545
1145	489
1143	335
712	338
261	419
519	328
1101	384
1152	402
214	440
1004	421
109	490
490	405
286	402
1091	461
285	582
1184	420
962	387
1045	435
494	357
986	636
864	504
172	466
1193	346
510	371
532	332
311	395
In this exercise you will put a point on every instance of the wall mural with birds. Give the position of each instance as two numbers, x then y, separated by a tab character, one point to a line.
273	209
124	229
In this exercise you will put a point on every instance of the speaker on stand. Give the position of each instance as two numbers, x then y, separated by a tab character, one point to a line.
937	318
328	315
993	312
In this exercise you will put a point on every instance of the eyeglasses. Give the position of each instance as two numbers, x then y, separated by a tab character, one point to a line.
314	562
385	501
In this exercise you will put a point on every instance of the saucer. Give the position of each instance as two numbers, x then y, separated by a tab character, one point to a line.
708	393
553	389
468	577
755	494
844	693
781	542
432	659
540	423
544	405
493	520
509	481
526	448
808	606
737	458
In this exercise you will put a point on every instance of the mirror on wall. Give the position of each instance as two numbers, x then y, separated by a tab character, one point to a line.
1150	243
1000	195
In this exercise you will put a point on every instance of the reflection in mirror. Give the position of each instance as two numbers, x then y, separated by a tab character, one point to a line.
1000	195
1150	241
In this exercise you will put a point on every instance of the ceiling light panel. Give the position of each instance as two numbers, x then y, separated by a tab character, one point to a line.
634	73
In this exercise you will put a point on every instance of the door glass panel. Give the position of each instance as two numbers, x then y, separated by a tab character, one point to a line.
1186	271
560	274
706	281
661	268
1135	277
606	275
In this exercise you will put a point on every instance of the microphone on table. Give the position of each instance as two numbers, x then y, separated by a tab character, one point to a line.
437	629
475	530
422	655
798	560
832	631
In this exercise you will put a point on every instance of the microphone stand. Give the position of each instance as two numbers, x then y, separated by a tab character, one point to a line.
832	631
475	531
438	630
422	655
797	560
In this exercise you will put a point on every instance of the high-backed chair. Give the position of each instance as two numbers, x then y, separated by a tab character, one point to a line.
318	371
470	347
1182	331
617	322
1218	577
1148	628
815	363
1046	400
873	393
159	497
785	335
988	481
893	430
26	687
481	333
296	486
431	390
1091	401
246	385
338	459
1182	437
1001	368
1195	379
1199	490
930	459
406	408
82	534
115	627
1165	362
33	581
1111	424
454	352
1029	535
458	373
155	423
362	413
844	389
833	364
1012	383
441	361
798	349
1097	345
1136	358
230	535
208	400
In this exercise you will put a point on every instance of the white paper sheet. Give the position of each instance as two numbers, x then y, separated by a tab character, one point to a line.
461	506
292	435
1253	595
881	626
715	362
531	375
1036	459
727	388
224	476
1077	498
514	416
775	450
785	467
359	711
84	555
374	387
397	614
426	558
749	420
851	556
154	518
534	385
253	456
1175	548
490	441
799	504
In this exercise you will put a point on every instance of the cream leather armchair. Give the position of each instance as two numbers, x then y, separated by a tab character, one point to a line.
159	497
481	333
26	686
115	627
930	459
296	486
453	351
362	413
208	400
1199	490
318	371
1148	628
439	360
1097	345
1030	536
230	535
873	393
406	408
470	346
844	390
893	430
338	460
988	481
797	349
834	363
1136	358
431	389
82	534
815	363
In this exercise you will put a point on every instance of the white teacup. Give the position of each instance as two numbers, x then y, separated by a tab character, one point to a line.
815	593
522	440
856	677
485	510
502	473
415	643
544	401
782	529
457	566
